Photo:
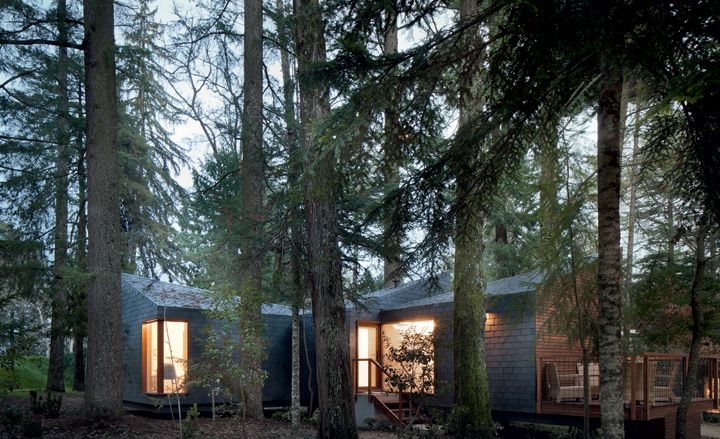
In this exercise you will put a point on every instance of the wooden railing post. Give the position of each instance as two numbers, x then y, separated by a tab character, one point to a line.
538	385
369	380
633	397
716	366
646	387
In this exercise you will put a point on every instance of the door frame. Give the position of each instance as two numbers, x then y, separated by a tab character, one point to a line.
378	352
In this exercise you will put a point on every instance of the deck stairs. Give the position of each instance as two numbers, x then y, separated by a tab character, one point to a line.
396	408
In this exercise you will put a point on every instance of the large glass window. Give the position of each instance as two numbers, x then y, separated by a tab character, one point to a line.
412	340
164	356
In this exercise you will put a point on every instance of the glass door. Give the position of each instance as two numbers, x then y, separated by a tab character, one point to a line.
368	340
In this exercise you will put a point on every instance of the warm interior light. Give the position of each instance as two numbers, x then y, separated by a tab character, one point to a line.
367	348
418	327
170	342
393	335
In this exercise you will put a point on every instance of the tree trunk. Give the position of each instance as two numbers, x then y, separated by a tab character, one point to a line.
253	183
103	386
322	190
548	190
56	364
609	255
298	298
690	379
472	399
391	163
80	313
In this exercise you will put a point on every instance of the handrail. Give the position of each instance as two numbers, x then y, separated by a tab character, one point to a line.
643	378
370	361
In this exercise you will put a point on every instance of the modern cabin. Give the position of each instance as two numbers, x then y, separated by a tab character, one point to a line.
163	326
534	373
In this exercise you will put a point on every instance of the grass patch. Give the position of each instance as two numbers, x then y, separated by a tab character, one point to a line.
30	373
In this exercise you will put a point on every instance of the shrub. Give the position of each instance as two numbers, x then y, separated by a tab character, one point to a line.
50	407
190	423
11	418
282	416
37	406
370	422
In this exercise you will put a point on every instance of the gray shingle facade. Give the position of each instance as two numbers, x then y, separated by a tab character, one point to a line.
146	299
511	335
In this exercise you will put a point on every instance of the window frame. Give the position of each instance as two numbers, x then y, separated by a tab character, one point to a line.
161	355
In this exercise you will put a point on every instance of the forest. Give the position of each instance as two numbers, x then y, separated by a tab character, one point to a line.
313	154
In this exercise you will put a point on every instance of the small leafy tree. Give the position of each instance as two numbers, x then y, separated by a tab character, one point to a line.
409	366
226	365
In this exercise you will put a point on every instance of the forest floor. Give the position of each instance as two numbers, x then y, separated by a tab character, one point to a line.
72	425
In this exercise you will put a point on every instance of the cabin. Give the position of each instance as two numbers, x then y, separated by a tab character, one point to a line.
163	326
535	374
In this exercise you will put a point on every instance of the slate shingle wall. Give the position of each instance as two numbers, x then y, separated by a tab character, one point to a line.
137	308
307	334
510	352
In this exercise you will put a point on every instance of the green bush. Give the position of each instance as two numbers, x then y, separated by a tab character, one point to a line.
713	418
50	407
190	423
282	416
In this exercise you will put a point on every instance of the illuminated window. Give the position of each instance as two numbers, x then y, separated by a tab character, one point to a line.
393	334
164	356
367	348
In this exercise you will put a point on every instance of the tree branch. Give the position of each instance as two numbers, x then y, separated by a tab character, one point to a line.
39	41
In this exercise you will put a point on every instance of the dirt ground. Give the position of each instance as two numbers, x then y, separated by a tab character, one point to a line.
72	425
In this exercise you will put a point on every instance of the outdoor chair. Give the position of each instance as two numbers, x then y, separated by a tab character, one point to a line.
594	376
563	386
663	385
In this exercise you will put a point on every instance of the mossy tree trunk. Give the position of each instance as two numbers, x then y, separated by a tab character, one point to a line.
391	163
472	398
690	378
253	183
609	254
322	190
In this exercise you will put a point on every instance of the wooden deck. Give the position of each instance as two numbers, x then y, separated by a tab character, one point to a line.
653	381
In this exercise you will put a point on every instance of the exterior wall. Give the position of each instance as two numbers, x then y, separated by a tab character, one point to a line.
509	348
136	309
510	352
307	362
278	364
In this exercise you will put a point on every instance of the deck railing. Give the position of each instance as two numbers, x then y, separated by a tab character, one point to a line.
649	380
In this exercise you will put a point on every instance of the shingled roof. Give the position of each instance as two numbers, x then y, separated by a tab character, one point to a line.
521	283
181	296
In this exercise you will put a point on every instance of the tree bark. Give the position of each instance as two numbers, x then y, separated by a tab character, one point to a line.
322	190
56	364
253	183
690	379
298	296
103	386
79	331
391	163
472	399
609	254
548	189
